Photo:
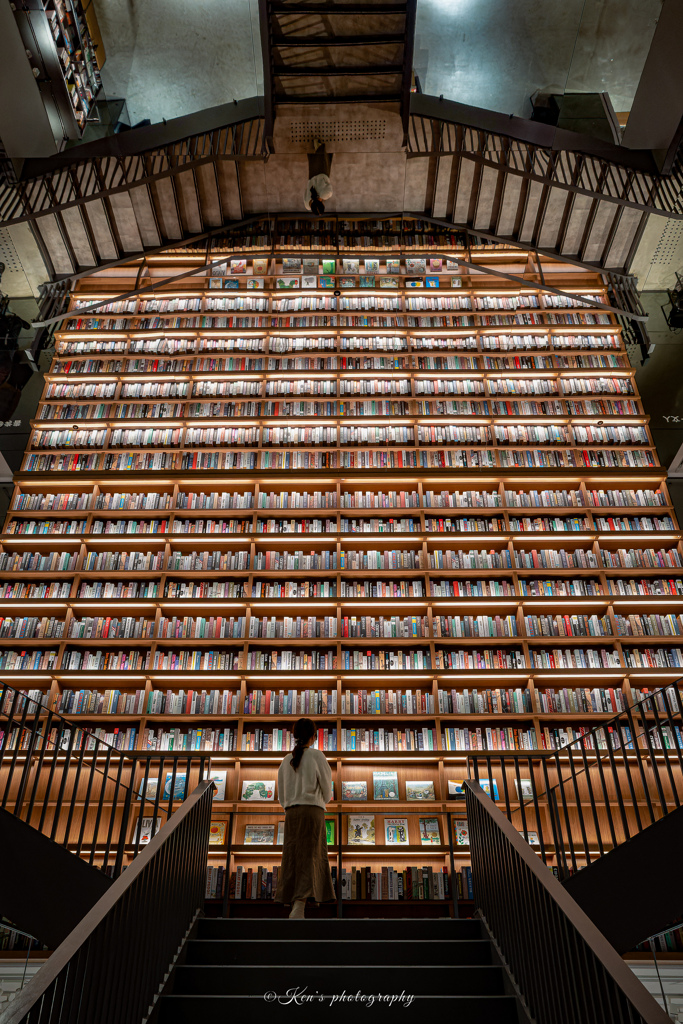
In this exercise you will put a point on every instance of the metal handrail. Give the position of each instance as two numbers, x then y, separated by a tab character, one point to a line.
564	968
593	770
111	967
94	779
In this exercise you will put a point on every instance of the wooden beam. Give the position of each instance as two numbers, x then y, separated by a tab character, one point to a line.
384	39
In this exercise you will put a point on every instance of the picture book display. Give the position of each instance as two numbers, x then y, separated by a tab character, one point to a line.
430	834
416	266
238	266
259	835
462	832
329	266
217	830
350	266
253	789
354	790
260	266
143	830
420	791
219	780
396	831
525	789
329	831
361	830
385	785
287	283
291	265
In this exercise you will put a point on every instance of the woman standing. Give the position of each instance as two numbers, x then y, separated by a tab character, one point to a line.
304	788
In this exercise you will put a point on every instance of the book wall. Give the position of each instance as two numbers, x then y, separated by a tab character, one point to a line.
155	584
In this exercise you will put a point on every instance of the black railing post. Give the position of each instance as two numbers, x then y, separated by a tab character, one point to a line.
123	831
454	880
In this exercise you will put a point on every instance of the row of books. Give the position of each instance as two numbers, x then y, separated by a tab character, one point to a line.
349	660
68	501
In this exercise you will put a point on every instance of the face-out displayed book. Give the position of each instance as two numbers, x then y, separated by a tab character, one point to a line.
388	282
143	830
462	832
219	780
354	790
177	785
310	266
420	791
385	785
217	833
291	265
416	266
525	791
329	831
255	282
258	789
350	266
259	835
396	831
260	266
456	788
371	266
309	281
361	830
286	282
429	832
238	266
329	266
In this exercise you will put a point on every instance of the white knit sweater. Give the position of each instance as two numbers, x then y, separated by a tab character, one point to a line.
311	783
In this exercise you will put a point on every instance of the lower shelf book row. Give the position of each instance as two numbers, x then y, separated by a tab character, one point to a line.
366	883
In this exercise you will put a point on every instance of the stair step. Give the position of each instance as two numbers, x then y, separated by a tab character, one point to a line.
339	928
338	951
463	1009
257	978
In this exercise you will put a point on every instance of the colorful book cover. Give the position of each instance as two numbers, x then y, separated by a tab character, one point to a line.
258	789
367	281
393	266
486	786
451	266
329	266
259	835
219	780
432	282
178	785
280	832
420	791
396	831
151	792
238	266
532	838
385	785
329	831
347	282
371	266
287	282
462	832
414	282
429	832
456	789
231	283
361	830
416	266
435	265
291	265
326	282
350	266
143	830
255	282
354	790
311	266
456	282
217	833
215	282
260	266
388	282
309	282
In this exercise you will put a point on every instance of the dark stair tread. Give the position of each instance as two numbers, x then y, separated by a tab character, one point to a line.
318	951
412	929
462	1009
257	978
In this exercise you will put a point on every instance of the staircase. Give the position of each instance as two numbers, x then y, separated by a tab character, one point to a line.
358	52
603	807
234	965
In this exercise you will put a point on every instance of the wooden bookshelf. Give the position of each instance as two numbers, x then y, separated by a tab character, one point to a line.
464	507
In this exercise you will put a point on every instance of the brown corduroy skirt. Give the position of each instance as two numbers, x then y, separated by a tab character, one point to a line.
305	867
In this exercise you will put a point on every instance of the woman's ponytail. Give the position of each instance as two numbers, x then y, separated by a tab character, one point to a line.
303	731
